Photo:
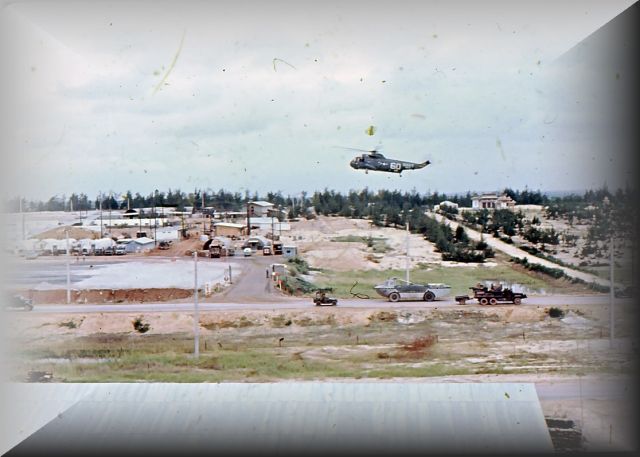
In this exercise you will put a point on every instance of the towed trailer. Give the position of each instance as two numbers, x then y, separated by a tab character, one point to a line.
486	296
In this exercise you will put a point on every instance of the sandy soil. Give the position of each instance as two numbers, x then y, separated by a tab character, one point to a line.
313	238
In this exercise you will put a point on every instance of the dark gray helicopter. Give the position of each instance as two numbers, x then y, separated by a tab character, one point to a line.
375	161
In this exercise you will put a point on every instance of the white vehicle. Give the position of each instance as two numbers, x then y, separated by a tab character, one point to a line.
397	289
247	252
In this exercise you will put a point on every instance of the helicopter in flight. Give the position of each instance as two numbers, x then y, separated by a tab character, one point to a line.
375	161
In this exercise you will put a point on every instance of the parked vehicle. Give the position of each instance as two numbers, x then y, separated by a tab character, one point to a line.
491	296
215	249
30	255
627	292
277	248
321	299
121	249
164	245
19	303
247	252
397	289
266	250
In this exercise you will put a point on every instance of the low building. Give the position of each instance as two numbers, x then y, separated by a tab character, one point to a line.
445	203
167	235
256	242
229	229
140	244
492	201
289	251
270	224
259	208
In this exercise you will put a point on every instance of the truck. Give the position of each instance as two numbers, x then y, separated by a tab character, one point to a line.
277	248
491	296
322	299
215	249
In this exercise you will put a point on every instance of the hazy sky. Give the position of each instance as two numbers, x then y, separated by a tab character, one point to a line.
102	96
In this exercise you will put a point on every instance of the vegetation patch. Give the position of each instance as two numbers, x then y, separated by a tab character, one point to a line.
281	321
140	326
555	312
384	316
69	324
420	343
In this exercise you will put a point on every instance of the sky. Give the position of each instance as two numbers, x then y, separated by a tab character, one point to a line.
264	96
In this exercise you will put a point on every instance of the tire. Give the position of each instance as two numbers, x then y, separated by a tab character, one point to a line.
462	302
493	301
429	296
517	301
484	301
334	302
394	296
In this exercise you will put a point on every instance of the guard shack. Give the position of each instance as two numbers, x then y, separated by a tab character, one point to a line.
289	252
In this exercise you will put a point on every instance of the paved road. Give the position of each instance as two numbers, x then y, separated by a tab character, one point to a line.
513	251
296	303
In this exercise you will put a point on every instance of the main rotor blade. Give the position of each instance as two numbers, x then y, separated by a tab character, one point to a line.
355	149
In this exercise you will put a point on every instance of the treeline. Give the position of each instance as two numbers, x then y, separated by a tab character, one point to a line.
384	207
221	200
453	245
364	203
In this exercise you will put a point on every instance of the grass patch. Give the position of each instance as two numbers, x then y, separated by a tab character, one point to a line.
459	278
69	324
377	244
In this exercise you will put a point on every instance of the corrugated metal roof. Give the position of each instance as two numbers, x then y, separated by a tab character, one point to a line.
379	416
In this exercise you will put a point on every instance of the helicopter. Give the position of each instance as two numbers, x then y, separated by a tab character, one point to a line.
375	161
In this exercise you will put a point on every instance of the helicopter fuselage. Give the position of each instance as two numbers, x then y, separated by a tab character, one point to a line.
378	162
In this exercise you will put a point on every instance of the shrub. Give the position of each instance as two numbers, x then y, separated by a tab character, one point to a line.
555	312
140	326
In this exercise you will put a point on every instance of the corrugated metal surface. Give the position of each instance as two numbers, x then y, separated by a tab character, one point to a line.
385	417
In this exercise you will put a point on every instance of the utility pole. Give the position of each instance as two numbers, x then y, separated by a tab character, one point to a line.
22	216
196	318
110	197
155	219
407	260
248	218
611	295
66	232
100	197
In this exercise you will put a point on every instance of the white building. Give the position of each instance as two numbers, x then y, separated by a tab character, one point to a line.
270	223
445	203
140	244
492	201
259	208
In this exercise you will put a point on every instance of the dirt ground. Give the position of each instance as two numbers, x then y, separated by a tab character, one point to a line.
313	238
470	344
109	295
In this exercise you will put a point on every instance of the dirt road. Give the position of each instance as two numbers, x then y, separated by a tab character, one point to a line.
516	252
253	282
